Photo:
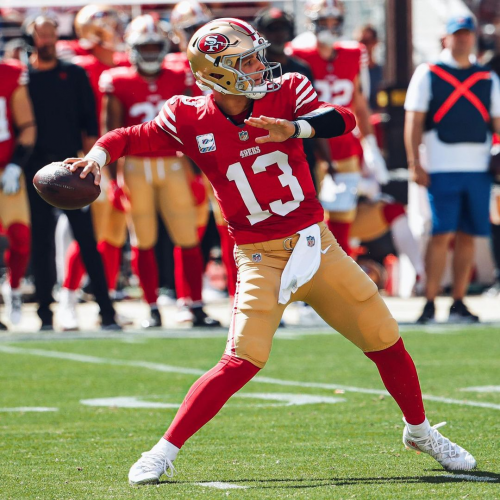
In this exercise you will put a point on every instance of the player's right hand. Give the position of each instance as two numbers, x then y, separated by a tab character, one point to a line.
420	176
89	167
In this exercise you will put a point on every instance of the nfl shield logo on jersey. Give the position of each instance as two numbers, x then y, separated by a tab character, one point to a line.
206	143
257	257
243	135
311	241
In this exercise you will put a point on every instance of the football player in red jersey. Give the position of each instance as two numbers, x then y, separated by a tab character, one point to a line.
100	30
187	17
243	136
341	77
17	138
156	181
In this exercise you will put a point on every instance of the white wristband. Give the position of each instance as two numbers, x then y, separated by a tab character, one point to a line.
304	130
97	155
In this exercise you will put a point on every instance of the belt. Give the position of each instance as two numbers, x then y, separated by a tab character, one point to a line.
273	245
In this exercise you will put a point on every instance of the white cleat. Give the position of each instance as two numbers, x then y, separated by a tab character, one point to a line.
150	467
451	456
66	312
13	301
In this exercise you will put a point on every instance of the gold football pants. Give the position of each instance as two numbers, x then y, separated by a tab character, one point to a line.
340	292
15	207
161	185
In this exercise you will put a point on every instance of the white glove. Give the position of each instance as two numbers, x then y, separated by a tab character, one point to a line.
374	159
10	178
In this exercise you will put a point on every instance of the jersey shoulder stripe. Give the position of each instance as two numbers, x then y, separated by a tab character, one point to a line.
167	120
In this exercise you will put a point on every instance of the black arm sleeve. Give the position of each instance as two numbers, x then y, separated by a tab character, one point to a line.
329	121
88	114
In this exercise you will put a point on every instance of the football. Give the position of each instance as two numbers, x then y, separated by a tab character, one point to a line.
64	189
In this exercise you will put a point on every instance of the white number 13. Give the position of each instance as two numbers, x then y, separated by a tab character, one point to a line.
257	214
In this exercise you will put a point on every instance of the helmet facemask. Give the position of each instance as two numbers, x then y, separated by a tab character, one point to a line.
148	61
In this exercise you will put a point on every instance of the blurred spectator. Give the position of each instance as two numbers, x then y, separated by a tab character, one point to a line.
450	107
368	36
64	111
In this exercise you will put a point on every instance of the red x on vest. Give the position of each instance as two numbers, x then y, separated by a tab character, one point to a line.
461	89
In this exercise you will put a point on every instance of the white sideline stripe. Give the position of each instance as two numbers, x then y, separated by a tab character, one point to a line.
37	409
483	388
468	477
194	371
222	486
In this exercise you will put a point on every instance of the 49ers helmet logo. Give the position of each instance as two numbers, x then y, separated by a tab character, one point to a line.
213	43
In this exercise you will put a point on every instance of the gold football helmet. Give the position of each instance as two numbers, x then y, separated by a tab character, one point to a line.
215	54
187	17
146	30
326	18
99	25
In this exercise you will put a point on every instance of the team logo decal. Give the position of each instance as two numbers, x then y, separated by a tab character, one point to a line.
243	135
311	241
206	143
257	257
213	43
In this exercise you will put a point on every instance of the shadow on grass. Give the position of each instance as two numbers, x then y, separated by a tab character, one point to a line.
446	477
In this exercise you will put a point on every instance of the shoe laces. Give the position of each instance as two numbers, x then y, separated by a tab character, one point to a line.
439	444
153	461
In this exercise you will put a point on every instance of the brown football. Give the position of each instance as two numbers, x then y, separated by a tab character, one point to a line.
64	189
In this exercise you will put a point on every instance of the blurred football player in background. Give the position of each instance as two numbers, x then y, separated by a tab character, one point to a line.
187	17
17	138
159	180
100	30
341	77
284	250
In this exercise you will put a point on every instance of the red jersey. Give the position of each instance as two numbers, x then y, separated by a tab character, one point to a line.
94	69
143	99
180	60
265	190
12	75
334	80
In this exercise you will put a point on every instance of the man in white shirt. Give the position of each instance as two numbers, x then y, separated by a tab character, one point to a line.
451	108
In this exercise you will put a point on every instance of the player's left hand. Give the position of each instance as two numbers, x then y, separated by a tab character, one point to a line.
11	179
279	130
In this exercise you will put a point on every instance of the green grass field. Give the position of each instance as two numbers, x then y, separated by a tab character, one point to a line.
315	424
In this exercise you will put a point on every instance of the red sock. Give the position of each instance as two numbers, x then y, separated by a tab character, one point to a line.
401	380
75	269
18	254
111	257
146	269
207	396
188	272
227	254
341	232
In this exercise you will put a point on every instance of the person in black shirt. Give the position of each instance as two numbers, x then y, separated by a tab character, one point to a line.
277	26
64	109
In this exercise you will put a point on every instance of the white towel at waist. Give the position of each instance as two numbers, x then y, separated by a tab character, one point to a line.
302	264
